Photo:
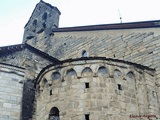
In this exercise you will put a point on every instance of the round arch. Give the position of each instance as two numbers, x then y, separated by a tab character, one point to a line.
54	114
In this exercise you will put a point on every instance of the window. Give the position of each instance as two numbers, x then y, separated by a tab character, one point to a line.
119	86
44	17
154	93
86	116
87	85
50	92
54	114
84	54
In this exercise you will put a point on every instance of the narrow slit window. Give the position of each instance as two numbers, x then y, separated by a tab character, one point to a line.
87	85
154	93
119	86
50	92
86	116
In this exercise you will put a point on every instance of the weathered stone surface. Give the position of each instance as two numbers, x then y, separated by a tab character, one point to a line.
96	95
28	99
81	88
43	19
10	92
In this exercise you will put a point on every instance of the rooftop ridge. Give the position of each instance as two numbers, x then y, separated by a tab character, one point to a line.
114	26
13	48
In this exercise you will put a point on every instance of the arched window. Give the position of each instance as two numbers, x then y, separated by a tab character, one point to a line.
84	54
54	114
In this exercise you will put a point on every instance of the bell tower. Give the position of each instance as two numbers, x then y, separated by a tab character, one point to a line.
44	18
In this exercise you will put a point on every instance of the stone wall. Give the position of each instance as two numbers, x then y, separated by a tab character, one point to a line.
11	86
28	100
96	89
129	44
140	46
32	62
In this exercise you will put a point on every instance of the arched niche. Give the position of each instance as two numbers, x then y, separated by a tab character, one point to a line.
43	84
54	114
117	74
130	77
87	72
71	73
118	79
102	70
55	76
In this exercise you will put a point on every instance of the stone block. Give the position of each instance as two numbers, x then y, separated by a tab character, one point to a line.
7	105
127	94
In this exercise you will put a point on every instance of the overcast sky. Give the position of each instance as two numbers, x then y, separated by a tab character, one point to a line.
14	14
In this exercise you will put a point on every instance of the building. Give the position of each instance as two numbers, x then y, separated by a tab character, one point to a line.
98	72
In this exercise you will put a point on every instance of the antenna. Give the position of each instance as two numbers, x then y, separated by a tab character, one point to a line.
120	17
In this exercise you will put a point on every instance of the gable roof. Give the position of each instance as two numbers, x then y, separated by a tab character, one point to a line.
14	48
130	25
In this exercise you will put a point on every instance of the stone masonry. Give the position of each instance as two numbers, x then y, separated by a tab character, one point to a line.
11	86
140	46
102	89
98	72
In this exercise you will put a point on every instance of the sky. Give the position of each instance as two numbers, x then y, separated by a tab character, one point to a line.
14	14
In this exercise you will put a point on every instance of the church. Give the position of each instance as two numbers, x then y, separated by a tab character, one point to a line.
96	72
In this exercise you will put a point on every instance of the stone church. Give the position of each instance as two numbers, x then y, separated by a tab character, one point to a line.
96	72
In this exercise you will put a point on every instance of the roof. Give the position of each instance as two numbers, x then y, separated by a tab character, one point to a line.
12	65
19	47
130	25
11	48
